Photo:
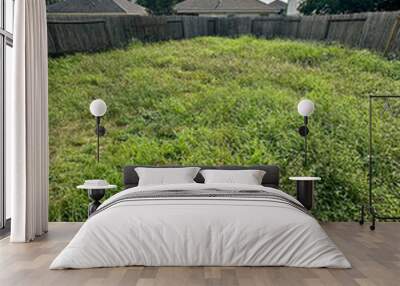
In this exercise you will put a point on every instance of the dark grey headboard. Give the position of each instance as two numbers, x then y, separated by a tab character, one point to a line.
271	178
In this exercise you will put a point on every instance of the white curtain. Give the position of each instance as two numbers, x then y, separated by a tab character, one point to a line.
27	124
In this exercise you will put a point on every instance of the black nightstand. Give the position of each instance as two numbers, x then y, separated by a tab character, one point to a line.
95	193
305	190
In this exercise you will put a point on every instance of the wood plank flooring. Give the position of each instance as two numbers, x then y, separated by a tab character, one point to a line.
375	257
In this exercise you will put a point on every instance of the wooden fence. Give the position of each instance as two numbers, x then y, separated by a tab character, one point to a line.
376	31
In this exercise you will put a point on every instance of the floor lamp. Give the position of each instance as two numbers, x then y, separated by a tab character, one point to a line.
305	108
98	108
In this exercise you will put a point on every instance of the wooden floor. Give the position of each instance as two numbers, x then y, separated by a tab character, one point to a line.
375	257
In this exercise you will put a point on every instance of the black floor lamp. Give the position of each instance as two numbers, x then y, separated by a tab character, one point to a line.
98	108
305	108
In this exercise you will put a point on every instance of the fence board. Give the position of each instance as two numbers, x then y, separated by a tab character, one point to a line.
222	27
319	28
79	35
393	44
305	27
346	29
377	30
266	27
203	28
175	29
211	27
190	26
290	27
244	26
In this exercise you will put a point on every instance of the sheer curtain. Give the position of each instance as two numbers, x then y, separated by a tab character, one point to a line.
27	124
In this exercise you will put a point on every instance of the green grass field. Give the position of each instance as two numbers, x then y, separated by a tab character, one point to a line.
217	101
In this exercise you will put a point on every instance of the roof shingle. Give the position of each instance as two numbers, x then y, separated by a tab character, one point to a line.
97	6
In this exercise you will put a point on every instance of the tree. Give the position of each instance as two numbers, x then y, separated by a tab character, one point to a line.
159	7
388	5
347	6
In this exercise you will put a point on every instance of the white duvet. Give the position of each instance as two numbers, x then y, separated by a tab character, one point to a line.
202	232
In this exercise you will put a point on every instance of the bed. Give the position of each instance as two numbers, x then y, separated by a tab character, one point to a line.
197	224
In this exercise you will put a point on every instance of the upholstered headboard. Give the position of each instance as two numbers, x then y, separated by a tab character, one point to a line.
271	177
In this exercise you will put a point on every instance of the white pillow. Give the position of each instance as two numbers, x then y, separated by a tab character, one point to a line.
248	177
166	176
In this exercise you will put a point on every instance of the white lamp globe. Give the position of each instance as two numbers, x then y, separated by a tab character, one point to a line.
305	107
98	108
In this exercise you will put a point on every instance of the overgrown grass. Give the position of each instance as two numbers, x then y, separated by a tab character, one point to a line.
217	101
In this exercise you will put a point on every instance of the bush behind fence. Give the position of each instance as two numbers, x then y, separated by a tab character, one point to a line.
86	33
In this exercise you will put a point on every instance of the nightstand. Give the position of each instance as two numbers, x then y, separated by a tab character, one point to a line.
305	190
96	192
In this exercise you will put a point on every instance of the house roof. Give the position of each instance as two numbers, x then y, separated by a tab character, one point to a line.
229	6
277	4
97	7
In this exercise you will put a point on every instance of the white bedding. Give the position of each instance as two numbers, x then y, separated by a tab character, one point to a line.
200	231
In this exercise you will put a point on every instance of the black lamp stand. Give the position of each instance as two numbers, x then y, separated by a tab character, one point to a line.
100	131
303	131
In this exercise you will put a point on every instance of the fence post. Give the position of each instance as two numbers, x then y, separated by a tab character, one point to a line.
328	26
